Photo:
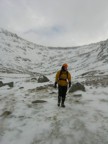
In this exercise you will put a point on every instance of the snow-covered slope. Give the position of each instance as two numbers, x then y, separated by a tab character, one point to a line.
85	118
21	56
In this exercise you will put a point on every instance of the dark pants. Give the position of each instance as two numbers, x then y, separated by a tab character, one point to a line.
62	93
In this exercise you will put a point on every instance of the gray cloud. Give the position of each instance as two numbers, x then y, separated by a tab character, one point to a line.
56	22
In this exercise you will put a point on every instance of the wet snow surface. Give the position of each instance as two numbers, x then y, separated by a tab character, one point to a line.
83	121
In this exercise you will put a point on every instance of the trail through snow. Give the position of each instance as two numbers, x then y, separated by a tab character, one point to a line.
84	120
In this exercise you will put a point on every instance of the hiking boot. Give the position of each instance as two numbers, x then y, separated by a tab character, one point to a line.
58	104
62	105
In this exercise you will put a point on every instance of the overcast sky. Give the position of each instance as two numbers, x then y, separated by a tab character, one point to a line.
56	22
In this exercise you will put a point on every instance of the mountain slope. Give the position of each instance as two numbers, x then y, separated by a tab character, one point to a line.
17	54
20	56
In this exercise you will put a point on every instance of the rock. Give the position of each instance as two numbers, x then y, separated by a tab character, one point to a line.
77	86
77	95
33	79
1	83
42	88
6	113
51	85
10	84
42	79
21	87
38	101
77	101
52	93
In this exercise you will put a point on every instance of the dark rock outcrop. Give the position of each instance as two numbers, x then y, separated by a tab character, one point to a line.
42	79
1	83
77	86
10	84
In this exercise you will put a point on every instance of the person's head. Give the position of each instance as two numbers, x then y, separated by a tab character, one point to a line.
64	66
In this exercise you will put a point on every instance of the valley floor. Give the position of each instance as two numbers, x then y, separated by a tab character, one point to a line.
83	121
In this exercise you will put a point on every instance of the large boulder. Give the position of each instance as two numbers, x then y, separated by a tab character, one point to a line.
42	79
77	86
1	83
10	84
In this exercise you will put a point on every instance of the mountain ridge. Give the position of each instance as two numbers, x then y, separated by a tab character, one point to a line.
20	56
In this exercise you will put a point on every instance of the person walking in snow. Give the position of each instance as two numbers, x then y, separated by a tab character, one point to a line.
63	79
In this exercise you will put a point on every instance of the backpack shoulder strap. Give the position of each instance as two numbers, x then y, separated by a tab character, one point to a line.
67	74
60	73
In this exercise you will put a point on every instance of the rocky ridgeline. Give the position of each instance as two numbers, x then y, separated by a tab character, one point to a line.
95	78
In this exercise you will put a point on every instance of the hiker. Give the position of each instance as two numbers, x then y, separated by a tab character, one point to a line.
63	79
